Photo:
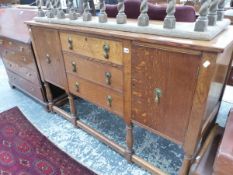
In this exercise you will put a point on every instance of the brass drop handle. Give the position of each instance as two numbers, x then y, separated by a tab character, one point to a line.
77	86
10	43
1	42
157	95
74	67
48	60
24	59
109	100
106	49
108	78
70	43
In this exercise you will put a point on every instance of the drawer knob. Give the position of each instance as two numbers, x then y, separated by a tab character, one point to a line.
108	78
21	49
48	60
1	42
24	59
109	100
77	86
70	43
157	95
74	67
10	43
106	49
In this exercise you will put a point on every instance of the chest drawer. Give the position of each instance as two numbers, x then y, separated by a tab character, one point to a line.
20	58
102	49
14	45
25	85
99	73
97	94
26	73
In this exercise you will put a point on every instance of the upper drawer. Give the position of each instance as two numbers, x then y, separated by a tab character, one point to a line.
97	72
103	49
15	45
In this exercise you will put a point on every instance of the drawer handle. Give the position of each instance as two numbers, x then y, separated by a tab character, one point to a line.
109	100
77	86
10	43
24	59
70	43
74	67
48	60
108	78
157	95
1	42
21	49
106	49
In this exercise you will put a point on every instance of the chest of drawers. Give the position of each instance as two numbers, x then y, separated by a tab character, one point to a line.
17	53
170	87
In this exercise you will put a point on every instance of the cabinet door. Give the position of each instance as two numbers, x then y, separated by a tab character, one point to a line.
49	55
163	84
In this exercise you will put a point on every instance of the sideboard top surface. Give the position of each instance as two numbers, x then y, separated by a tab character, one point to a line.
218	44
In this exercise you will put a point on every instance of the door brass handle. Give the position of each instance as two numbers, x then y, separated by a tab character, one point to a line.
157	95
108	78
109	100
74	67
77	86
70	43
106	49
48	60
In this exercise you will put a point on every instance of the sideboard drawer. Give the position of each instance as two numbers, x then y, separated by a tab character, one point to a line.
102	49
104	97
26	86
103	74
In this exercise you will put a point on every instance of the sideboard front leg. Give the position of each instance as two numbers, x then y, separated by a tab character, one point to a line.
184	170
72	109
129	141
49	96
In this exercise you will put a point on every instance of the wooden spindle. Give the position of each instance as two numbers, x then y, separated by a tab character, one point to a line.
121	16
170	20
86	13
202	20
212	16
143	19
220	11
102	16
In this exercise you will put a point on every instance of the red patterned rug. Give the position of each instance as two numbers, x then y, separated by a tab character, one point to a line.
25	151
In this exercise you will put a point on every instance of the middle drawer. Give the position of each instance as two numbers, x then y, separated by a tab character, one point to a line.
97	94
99	73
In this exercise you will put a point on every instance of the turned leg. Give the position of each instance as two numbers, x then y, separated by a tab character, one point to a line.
72	108
184	170
129	141
49	96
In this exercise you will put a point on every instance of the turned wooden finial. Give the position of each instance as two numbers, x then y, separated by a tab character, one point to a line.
170	20
143	19
102	15
212	16
50	10
121	16
220	11
41	13
72	12
60	12
202	20
86	13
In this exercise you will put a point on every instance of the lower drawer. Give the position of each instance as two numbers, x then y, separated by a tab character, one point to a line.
22	71
25	85
97	94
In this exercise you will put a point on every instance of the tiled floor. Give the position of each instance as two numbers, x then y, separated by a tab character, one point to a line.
88	150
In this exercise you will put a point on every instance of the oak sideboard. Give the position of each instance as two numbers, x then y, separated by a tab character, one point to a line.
170	86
